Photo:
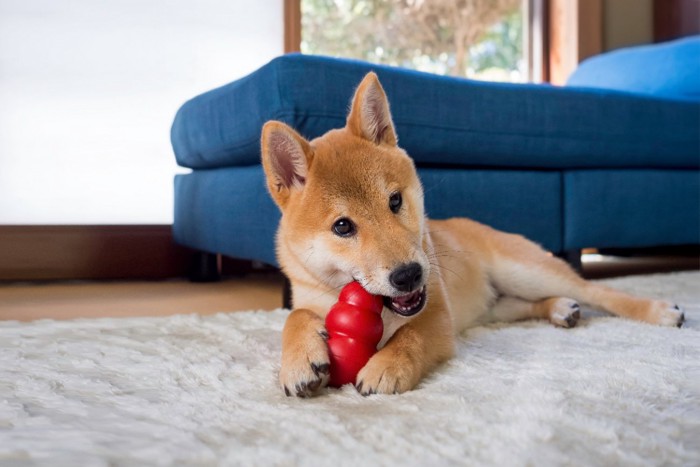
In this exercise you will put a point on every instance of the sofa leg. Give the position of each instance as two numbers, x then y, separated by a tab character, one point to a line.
573	257
287	294
205	267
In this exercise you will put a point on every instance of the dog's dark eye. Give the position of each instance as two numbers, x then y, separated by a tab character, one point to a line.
344	228
395	201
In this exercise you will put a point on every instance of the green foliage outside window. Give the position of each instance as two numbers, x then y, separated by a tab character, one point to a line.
480	39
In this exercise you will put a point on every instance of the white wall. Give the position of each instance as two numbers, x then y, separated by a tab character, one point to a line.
89	88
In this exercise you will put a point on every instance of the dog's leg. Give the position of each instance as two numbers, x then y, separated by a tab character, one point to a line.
619	303
521	269
560	311
414	349
305	363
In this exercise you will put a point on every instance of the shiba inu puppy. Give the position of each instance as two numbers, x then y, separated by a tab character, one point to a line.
352	209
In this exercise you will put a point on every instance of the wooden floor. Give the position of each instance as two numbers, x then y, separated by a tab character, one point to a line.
67	300
257	291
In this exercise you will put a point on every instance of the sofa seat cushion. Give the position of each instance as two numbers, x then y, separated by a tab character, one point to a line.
631	208
668	70
441	121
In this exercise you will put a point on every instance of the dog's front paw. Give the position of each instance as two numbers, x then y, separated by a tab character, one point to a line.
306	366
386	373
665	314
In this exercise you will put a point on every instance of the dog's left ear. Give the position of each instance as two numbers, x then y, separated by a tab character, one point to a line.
369	116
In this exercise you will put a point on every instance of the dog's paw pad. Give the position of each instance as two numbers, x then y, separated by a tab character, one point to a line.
667	314
564	312
321	369
307	388
681	319
308	382
365	389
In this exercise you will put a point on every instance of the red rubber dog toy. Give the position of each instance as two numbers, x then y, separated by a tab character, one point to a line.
355	327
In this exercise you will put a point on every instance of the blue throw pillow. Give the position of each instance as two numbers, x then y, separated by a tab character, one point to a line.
667	70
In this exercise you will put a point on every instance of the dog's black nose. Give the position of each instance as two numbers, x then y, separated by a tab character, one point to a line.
406	277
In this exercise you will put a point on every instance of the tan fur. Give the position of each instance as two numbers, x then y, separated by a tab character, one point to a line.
475	274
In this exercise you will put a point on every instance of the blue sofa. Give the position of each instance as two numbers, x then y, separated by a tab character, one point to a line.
610	160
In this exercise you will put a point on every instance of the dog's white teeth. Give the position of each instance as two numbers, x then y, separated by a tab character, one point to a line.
408	304
407	301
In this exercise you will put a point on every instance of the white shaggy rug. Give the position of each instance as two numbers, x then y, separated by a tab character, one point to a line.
191	390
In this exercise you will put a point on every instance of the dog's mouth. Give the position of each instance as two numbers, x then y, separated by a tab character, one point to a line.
409	304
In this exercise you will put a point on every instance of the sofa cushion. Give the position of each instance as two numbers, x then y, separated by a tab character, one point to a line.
226	211
441	121
668	70
631	208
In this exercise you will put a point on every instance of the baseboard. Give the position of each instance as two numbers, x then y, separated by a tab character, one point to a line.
47	252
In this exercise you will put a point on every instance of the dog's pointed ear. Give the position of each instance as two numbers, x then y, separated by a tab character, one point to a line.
369	116
286	157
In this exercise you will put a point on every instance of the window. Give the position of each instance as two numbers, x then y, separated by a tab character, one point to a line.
480	39
89	90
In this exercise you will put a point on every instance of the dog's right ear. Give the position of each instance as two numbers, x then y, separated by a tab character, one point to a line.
369	116
286	157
